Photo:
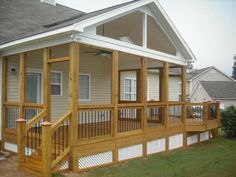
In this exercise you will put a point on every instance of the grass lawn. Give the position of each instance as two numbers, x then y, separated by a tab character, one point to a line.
214	158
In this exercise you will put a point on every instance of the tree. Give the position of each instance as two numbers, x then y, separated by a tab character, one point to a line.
228	121
234	68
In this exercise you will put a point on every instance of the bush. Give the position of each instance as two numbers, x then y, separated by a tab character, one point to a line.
228	121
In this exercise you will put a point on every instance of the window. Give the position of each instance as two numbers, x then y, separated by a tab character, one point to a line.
180	91
130	89
84	87
56	83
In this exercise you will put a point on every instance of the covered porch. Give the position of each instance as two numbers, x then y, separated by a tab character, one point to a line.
63	104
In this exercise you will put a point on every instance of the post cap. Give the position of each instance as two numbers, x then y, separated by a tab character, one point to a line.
20	120
46	123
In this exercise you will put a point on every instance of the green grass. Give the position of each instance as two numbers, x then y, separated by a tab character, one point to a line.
214	158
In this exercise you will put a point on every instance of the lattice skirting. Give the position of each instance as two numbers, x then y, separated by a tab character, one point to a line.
64	166
204	136
130	152
175	141
156	146
192	139
95	160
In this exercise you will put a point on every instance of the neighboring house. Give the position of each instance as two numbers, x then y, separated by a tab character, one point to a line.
204	74
81	90
225	91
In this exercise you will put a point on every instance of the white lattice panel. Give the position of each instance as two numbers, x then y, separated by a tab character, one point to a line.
65	165
176	141
10	147
192	139
95	160
130	152
156	146
204	136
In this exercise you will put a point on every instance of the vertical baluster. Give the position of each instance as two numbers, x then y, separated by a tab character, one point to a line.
63	124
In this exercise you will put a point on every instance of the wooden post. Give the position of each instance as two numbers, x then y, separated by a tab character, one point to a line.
4	97
218	111
143	91
46	149
114	91
22	76
183	99
20	140
206	112
47	84
74	89
165	92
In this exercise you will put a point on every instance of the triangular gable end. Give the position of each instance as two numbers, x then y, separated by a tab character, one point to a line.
143	25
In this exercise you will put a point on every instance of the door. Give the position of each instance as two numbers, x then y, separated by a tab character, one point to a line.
33	87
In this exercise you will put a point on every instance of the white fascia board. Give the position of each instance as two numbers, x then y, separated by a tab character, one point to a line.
175	30
121	46
37	44
37	36
108	15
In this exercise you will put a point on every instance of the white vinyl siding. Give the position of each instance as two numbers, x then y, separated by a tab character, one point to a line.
84	87
56	83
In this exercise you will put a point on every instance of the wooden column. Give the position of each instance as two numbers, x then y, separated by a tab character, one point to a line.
143	92
165	92
46	149
22	77
47	84
183	99
4	97
114	99
73	85
206	112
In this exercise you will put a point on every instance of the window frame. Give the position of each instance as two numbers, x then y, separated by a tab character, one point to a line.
89	91
133	91
60	84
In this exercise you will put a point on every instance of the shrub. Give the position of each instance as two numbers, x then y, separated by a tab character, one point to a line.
228	121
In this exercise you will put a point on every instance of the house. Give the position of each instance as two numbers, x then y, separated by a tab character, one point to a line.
68	101
195	77
225	91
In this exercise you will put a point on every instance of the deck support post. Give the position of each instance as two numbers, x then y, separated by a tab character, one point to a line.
46	149
165	92
206	113
4	97
22	78
73	84
114	100
21	125
183	99
47	84
143	92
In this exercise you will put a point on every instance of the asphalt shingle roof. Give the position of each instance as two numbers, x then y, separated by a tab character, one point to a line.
23	18
220	89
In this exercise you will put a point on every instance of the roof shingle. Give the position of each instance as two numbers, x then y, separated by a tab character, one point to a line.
220	89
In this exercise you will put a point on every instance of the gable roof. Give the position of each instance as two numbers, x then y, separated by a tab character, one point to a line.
24	18
74	21
220	89
197	72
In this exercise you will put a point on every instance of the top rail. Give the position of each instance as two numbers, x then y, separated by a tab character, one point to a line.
36	119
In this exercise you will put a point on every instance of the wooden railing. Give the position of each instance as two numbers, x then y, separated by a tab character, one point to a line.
175	112
11	113
60	136
34	133
195	112
155	114
129	117
94	121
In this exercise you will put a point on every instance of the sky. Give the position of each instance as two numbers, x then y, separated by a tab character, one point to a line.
208	26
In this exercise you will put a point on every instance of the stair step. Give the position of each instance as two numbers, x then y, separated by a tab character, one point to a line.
32	172
33	167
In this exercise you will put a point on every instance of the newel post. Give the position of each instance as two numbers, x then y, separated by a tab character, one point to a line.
21	124
218	111
46	149
206	112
